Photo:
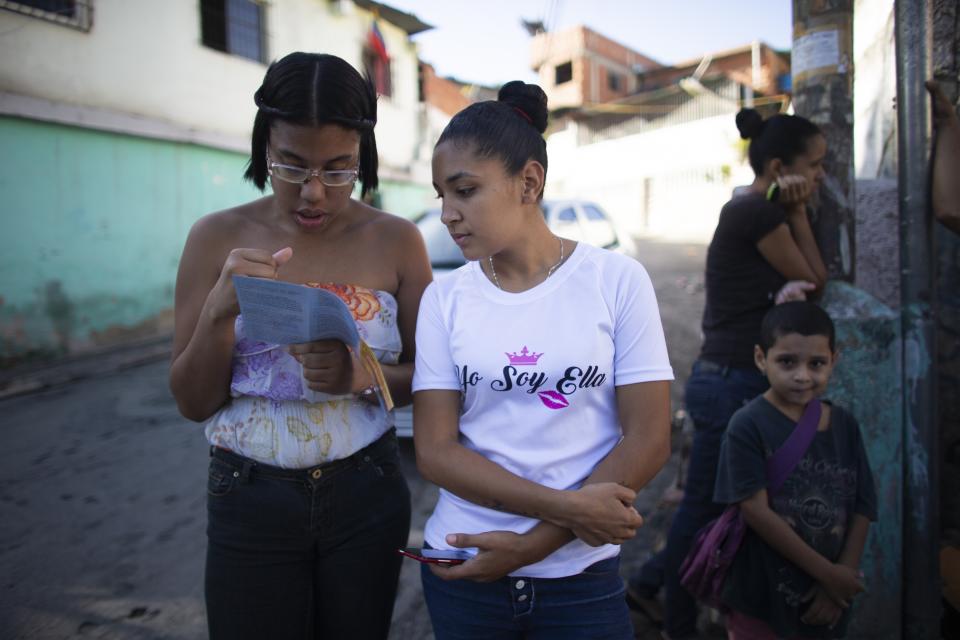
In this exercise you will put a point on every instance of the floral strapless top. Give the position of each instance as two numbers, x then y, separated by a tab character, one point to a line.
274	418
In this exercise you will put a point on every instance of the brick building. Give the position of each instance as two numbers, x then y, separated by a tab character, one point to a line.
579	66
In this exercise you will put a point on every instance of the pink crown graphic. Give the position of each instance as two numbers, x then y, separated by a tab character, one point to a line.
525	358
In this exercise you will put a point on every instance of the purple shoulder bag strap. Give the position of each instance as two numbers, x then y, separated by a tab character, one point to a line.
705	568
785	459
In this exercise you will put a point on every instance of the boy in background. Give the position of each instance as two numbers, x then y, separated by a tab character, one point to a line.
797	571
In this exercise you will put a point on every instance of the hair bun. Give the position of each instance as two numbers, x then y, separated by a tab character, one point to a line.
749	123
527	98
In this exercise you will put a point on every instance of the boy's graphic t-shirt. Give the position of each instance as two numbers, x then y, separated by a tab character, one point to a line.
831	483
537	372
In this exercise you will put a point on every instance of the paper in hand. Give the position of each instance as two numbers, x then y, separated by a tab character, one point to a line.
285	313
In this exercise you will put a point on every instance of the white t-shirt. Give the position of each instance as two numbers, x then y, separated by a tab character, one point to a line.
537	371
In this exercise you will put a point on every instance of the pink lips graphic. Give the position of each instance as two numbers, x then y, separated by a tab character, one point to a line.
553	400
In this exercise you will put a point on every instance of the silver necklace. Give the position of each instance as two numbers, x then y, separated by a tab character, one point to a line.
550	271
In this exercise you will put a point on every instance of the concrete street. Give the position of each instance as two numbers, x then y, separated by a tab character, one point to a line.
102	494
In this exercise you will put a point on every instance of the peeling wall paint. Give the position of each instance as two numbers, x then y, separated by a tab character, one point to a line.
94	223
867	381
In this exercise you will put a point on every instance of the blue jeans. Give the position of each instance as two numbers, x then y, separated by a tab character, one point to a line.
587	605
307	553
712	395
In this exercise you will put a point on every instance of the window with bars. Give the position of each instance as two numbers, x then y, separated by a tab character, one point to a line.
234	26
77	14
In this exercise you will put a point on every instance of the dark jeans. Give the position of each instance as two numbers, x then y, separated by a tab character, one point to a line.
307	553
712	395
586	606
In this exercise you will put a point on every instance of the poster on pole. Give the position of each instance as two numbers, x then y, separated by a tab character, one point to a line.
823	50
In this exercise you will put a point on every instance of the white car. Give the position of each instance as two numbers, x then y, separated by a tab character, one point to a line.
578	220
585	221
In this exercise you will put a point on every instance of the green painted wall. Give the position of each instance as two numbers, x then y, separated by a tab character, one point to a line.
93	226
868	381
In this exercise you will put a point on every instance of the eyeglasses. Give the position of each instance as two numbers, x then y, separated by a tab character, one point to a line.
299	175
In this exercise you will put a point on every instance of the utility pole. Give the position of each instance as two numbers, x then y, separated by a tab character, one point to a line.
822	70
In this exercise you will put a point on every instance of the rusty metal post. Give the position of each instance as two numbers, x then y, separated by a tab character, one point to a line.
822	70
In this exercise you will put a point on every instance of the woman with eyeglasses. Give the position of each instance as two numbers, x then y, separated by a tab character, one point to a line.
306	502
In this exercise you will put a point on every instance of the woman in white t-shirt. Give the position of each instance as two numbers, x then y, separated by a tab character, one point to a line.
541	397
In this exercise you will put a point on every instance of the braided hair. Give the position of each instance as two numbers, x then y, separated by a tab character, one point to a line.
313	89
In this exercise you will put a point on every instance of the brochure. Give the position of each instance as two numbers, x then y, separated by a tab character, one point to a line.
286	313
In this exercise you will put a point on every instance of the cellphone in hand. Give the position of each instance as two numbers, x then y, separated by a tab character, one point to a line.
443	557
773	192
